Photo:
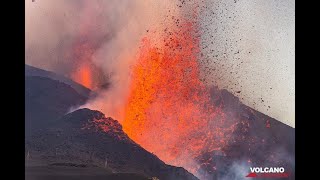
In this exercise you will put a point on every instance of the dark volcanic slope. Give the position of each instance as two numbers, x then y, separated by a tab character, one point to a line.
77	138
258	140
46	100
33	71
49	96
87	137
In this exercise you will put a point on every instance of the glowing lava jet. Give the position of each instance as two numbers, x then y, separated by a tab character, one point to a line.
84	72
83	47
168	110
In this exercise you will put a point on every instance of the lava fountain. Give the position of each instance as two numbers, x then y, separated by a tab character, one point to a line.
84	71
168	110
84	45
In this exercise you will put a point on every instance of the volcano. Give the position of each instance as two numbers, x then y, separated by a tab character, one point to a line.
258	140
86	141
77	138
83	142
139	99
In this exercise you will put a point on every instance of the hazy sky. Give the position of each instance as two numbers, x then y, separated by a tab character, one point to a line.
250	44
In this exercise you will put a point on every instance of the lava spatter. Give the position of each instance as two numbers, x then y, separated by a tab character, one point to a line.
168	110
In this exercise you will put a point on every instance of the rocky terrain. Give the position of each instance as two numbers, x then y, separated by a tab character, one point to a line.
81	143
89	144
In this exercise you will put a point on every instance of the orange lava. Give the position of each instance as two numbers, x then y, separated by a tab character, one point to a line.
168	111
82	55
84	76
83	48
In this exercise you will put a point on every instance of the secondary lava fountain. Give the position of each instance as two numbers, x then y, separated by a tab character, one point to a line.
168	110
84	71
85	44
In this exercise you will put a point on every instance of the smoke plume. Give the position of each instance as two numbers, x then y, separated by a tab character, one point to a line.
92	42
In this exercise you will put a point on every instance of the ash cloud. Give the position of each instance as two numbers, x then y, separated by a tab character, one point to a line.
112	29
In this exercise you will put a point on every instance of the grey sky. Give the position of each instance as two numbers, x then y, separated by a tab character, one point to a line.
250	46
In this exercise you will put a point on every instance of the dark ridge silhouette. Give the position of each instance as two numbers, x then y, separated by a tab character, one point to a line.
88	137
